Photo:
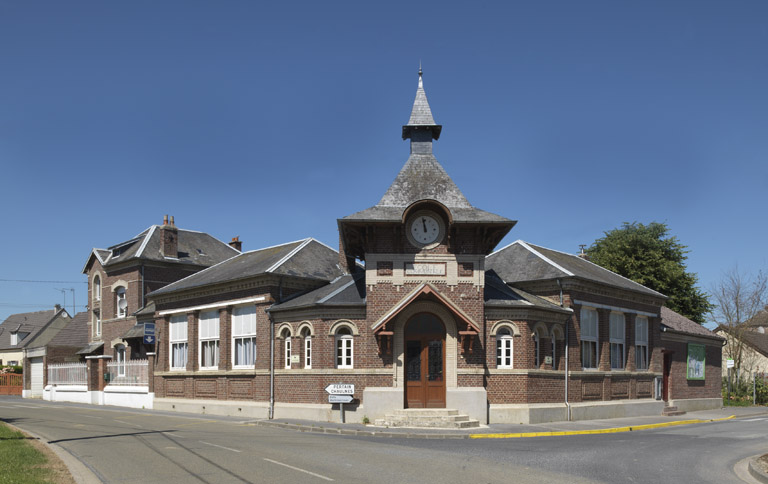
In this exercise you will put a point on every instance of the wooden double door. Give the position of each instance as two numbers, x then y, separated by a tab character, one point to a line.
424	362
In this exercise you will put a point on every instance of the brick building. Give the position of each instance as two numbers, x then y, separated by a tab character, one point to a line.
120	277
417	311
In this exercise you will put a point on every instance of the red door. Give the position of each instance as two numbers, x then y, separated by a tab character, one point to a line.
425	362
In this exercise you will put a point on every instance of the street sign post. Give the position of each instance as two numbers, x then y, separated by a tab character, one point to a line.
149	333
340	393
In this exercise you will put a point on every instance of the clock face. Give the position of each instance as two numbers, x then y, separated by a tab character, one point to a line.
425	229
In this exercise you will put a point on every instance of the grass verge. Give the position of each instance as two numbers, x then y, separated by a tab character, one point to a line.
24	460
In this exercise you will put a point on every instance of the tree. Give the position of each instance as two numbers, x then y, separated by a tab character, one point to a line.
739	298
648	255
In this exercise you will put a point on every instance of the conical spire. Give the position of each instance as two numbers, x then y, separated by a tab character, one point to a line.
421	115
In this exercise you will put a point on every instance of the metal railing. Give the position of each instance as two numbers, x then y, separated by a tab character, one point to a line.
67	374
131	372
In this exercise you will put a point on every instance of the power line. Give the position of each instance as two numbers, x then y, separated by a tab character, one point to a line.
44	282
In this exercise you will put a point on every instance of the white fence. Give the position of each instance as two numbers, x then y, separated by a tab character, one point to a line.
129	373
67	374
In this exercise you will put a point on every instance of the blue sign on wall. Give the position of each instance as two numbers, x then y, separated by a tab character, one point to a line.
149	333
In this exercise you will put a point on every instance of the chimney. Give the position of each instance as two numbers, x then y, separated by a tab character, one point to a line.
236	243
57	307
169	238
583	254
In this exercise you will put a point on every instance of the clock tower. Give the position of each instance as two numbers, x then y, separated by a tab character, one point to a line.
424	247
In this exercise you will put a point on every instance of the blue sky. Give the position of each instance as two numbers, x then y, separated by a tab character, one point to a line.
270	120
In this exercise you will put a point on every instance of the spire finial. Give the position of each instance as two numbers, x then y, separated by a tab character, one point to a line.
421	84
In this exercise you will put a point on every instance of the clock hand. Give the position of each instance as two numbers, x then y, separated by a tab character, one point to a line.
424	221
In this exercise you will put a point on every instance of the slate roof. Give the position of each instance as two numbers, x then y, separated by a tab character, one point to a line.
31	323
196	248
756	340
499	294
423	178
347	290
759	319
306	258
680	324
421	113
75	333
522	262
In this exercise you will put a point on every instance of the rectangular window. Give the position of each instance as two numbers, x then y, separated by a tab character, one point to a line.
588	321
208	334
344	352
308	352
618	340
14	339
121	303
288	353
177	330
504	352
641	343
244	337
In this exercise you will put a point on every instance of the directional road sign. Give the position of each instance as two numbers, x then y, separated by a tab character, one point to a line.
341	389
340	398
149	333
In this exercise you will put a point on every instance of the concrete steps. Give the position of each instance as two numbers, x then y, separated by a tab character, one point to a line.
436	418
671	412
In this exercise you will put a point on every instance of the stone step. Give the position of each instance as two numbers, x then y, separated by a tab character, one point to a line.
417	412
671	411
427	418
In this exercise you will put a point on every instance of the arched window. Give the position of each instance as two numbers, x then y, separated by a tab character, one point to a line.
307	337
344	348
121	303
97	288
504	348
286	334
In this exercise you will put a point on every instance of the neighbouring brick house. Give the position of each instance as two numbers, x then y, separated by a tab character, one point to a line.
120	277
416	310
20	332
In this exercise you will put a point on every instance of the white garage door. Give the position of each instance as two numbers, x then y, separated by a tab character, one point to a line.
36	376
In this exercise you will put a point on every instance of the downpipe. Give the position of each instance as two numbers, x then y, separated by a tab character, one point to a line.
567	359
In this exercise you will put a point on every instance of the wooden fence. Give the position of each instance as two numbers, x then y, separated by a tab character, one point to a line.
11	384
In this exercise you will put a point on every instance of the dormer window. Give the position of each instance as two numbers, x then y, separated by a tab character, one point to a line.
14	339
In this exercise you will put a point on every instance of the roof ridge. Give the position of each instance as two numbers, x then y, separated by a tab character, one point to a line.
546	259
604	269
293	252
145	241
336	292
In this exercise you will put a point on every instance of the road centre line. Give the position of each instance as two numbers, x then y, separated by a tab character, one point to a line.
220	446
755	419
298	469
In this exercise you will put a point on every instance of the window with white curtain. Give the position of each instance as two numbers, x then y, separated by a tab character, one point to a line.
589	339
244	337
641	343
344	348
503	348
97	288
177	330
208	335
617	334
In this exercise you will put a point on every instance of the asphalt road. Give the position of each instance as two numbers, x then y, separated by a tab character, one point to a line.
124	445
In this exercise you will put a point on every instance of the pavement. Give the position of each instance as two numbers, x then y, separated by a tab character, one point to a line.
581	427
